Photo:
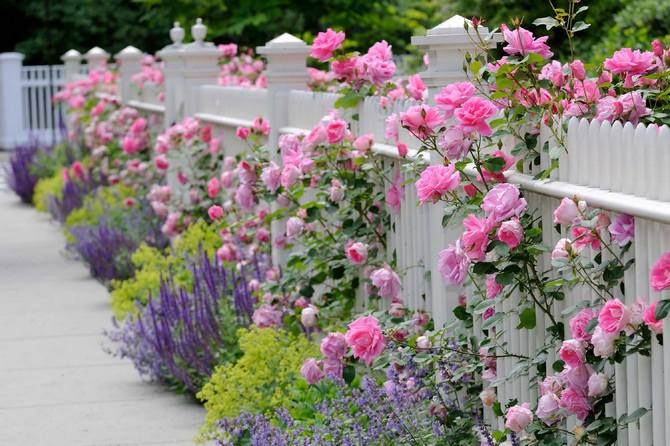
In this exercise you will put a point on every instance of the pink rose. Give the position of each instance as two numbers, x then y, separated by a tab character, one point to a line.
629	62
402	149
622	229
266	316
242	133
472	115
244	197
551	384
391	127
454	143
548	409
294	226
488	396
422	120
518	417
613	316
334	346
579	322
308	316
453	264
333	368
575	402
603	342
345	68
416	88
289	175
553	72
503	201
326	43
311	371
562	250
475	239
577	70
271	176
226	179
522	42
336	131
567	212
660	273
227	252
493	288
511	233
577	377
336	191
387	282
598	384
215	212
380	50
453	96
435	181
572	352
365	339
380	71
357	252
583	237
650	318
364	142
213	188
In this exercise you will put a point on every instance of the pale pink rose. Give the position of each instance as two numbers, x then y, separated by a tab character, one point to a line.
577	377
567	212
637	310
294	226
387	282
521	42
603	342
215	212
473	115
503	201
575	402
475	239
598	384
266	316
357	252
416	88
572	352
311	371
579	322
488	396
364	142
271	176
548	409
622	229
453	96
227	252
562	250
660	273
391	127
397	310
435	181
650	318
326	43
423	343
551	384
365	339
244	197
614	316
422	120
213	187
333	368
454	143
493	288
608	109
511	233
308	316
518	417
334	346
453	264
336	130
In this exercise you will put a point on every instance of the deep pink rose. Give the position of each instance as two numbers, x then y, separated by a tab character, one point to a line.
334	346
215	212
583	237
326	43
575	402
472	115
345	68
493	288
387	282
422	120
553	72
336	130
572	352
511	233
660	273
475	239
311	371
613	316
242	133
518	417
649	318
435	181
357	252
213	188
579	322
453	264
453	96
365	339
503	201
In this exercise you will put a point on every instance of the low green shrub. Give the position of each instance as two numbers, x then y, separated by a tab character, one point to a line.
45	188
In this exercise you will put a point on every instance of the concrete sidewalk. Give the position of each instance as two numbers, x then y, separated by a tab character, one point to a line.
57	386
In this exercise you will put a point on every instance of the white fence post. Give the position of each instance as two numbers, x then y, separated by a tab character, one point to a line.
72	64
96	58
174	81
286	70
11	102
129	61
446	45
201	66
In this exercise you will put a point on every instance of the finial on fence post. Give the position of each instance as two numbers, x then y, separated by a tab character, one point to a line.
446	45
96	58
72	64
198	32
177	34
129	61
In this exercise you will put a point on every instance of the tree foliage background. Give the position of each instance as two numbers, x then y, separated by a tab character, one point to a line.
44	29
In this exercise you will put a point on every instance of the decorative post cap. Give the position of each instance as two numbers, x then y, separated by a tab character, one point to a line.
129	52
452	33
198	31
96	52
71	55
177	34
286	43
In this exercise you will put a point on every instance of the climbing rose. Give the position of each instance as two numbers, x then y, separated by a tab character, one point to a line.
242	132
357	252
566	212
333	368
387	282
336	131
622	229
453	264
577	70
244	197
649	318
522	42
488	396
630	63
454	143
435	181
493	288
266	316
271	176
472	115
579	322
503	201
453	96
365	339
334	346
613	316
575	402
308	316
511	233
311	371
548	409
422	120
518	417
603	342
294	226
598	384
363	142
416	88
660	273
215	212
326	43
475	239
572	352
213	188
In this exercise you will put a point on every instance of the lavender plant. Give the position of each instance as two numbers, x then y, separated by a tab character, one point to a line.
20	177
181	335
73	194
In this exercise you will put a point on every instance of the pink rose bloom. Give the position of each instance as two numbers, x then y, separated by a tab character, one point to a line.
503	201
585	237
634	106
357	252
488	396
660	273
263	235
453	264
499	175
326	43
493	288
391	127
566	212
336	131
213	188
577	377
333	368
271	176
551	384
214	146
608	109
518	417
572	352
311	371
380	71
577	70
629	62
453	96
454	143
475	239
597	384
548	409
336	191
603	342
387	282
294	226
649	318
261	126
435	181
422	120
215	212
380	50
402	149
345	68
242	133
416	88
289	176
138	126
244	197
266	316
161	162
131	145
365	339
228	50
562	249
472	115
511	233
622	229
575	402
614	316
308	316
98	109
553	72
334	346
227	253
522	42
394	192
226	179
579	322
364	142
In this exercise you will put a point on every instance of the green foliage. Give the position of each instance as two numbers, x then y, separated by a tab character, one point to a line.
107	201
51	186
261	380
51	160
151	264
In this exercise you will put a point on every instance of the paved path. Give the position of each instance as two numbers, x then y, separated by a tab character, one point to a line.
57	386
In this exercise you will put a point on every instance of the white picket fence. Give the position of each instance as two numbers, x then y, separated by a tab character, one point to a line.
619	169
